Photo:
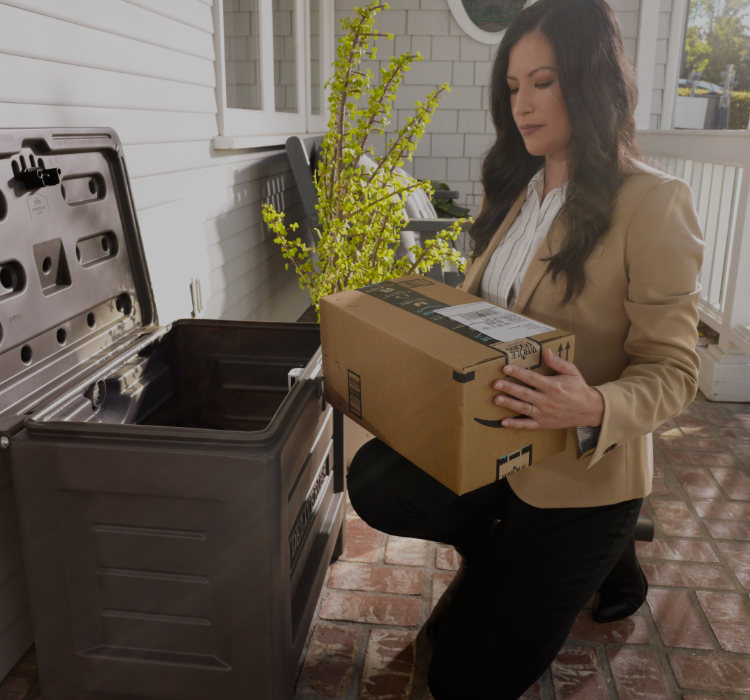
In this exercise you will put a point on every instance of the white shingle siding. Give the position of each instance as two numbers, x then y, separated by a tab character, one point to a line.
145	68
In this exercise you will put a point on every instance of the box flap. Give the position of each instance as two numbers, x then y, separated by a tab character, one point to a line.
73	275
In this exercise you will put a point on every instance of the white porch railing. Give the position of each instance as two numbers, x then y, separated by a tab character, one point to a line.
716	165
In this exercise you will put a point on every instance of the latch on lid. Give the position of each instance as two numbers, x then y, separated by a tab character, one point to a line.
34	178
35	175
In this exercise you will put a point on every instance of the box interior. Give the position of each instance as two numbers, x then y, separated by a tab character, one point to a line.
212	375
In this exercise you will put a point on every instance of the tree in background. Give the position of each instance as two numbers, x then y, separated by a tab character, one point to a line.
717	36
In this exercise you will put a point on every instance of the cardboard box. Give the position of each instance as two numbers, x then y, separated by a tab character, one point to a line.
396	362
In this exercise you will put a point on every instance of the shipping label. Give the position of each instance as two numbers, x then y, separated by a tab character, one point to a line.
514	462
481	322
494	321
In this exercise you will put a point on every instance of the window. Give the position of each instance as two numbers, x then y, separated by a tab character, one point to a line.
486	20
273	59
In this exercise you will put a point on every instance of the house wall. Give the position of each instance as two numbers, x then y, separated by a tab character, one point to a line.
454	144
145	68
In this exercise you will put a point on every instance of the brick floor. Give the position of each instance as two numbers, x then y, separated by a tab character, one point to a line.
691	641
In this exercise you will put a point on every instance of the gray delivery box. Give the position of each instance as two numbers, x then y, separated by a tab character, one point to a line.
179	504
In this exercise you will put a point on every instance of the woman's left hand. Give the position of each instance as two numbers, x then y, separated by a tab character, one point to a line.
563	400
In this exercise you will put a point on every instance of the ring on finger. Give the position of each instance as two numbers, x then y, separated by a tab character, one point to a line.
533	408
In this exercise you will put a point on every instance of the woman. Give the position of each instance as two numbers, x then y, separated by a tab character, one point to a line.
576	233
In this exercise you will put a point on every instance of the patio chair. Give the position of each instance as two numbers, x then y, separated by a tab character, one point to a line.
303	157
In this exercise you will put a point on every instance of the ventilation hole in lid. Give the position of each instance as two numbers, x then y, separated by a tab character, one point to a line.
32	162
26	354
40	162
22	160
78	253
105	244
7	277
63	193
124	304
62	336
92	186
46	265
91	320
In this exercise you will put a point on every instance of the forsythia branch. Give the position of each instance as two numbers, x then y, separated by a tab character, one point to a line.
361	204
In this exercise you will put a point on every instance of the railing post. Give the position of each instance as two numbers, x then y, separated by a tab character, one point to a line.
737	304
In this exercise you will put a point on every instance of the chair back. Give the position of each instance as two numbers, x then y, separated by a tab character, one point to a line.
303	157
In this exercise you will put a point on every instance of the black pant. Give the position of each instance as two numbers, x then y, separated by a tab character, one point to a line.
528	578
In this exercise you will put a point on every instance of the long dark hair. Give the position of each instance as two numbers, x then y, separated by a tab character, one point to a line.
599	89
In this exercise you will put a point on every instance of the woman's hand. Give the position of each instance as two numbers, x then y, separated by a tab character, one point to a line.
563	400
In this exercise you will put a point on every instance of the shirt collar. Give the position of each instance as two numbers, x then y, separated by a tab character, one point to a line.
536	184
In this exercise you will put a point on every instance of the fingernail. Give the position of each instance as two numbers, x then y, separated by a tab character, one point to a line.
499	399
498	386
505	424
508	369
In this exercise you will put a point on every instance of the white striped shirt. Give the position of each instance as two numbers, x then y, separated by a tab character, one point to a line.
509	263
505	271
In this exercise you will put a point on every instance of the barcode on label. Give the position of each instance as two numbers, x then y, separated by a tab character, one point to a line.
471	315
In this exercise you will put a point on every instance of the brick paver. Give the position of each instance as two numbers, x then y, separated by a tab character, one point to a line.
690	642
378	579
677	620
674	518
389	667
440	581
406	551
362	542
738	558
330	661
377	610
447	558
676	550
723	675
729	619
697	482
577	674
637	674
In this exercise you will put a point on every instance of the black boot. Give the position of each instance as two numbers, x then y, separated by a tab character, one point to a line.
619	598
624	589
432	625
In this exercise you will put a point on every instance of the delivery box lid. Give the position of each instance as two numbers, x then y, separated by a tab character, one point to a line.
453	326
74	285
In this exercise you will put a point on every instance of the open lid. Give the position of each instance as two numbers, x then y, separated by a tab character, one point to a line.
74	285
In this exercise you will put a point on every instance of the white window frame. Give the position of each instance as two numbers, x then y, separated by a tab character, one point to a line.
249	128
464	21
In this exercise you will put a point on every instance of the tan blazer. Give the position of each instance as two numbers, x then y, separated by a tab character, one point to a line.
636	331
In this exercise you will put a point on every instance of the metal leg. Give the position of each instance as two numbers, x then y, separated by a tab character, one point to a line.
338	548
644	529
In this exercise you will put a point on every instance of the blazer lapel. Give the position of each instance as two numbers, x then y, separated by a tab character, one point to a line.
538	267
474	274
